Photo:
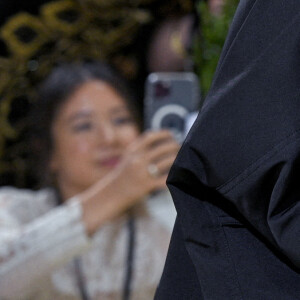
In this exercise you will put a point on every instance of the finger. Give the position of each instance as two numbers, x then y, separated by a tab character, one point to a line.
160	183
150	139
164	165
157	153
161	169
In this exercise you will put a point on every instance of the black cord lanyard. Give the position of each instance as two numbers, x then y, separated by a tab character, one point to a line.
80	280
129	265
130	257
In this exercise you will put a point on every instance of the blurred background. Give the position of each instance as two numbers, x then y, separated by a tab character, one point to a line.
137	37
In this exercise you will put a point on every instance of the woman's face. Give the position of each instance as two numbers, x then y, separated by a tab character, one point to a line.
90	132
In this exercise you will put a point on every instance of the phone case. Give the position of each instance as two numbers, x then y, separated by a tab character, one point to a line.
169	98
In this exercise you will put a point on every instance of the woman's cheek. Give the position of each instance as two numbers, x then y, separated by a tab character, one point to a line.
129	135
83	146
80	146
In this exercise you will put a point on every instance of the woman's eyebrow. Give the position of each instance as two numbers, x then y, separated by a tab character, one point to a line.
119	109
79	115
88	113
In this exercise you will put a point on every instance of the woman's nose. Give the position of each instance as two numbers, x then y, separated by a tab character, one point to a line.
107	135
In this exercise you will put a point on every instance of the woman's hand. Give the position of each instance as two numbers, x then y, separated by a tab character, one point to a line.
143	169
146	163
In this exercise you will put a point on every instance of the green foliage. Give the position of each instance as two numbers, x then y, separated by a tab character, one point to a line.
208	46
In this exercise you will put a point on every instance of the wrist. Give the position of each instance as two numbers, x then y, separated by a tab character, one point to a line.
101	203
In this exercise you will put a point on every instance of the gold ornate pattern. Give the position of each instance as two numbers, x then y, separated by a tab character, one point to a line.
24	34
64	30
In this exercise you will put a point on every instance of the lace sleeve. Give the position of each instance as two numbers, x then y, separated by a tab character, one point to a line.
31	251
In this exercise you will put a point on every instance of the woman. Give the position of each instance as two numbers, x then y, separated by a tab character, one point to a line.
101	242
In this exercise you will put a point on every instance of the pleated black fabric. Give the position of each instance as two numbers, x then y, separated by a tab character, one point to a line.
236	180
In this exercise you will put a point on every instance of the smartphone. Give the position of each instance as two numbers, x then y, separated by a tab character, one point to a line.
169	99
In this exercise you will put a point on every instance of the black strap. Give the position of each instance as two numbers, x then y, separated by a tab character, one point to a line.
129	265
80	280
130	257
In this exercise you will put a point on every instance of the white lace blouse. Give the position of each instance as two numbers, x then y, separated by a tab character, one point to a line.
38	244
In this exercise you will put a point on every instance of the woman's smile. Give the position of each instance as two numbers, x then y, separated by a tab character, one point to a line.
110	161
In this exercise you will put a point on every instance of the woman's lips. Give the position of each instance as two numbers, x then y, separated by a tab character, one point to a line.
110	161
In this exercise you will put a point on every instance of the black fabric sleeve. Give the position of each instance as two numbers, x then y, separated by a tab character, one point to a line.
245	143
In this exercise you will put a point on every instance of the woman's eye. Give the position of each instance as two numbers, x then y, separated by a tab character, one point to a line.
123	120
82	127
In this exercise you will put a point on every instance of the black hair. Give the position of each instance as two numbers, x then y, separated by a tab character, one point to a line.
52	94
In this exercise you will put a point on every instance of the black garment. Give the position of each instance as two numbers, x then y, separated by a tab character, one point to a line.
236	180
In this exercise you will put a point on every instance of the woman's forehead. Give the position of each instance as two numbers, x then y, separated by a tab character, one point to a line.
94	96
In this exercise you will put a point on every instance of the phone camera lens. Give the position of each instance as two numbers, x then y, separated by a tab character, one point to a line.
162	89
172	121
